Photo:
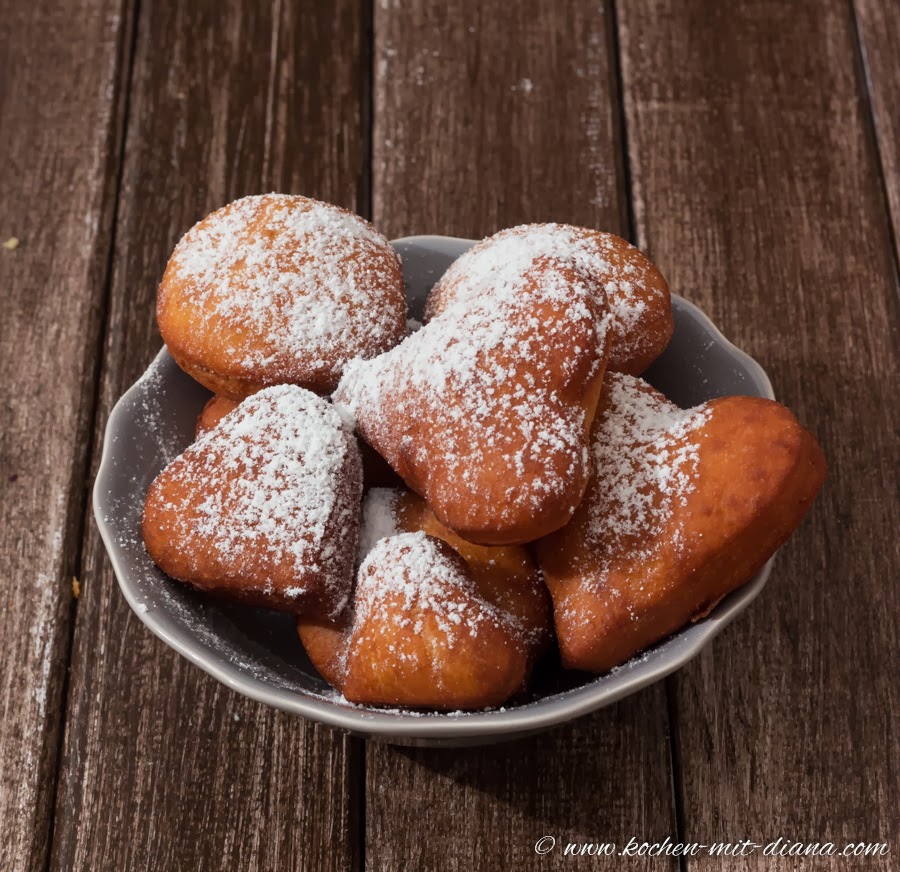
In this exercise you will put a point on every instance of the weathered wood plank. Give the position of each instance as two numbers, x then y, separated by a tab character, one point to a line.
488	115
878	30
60	72
162	765
757	190
505	113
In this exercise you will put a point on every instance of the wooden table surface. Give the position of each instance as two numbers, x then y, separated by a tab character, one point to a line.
751	148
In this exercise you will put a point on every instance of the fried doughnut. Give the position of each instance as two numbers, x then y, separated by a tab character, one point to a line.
506	575
213	412
326	644
683	507
486	411
376	471
277	289
264	508
639	303
423	636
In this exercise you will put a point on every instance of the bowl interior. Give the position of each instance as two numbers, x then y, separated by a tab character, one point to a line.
258	653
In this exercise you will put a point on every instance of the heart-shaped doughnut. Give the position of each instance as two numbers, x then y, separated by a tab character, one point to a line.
376	471
276	289
263	508
423	636
506	576
683	507
486	411
638	295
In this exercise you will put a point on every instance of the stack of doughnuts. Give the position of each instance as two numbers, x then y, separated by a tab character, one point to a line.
439	509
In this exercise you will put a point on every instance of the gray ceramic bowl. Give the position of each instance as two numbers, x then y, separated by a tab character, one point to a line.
257	652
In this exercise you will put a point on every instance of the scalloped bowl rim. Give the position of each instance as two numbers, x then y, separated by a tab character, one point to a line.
392	725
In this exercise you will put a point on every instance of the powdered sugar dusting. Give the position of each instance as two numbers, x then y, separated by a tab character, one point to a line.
303	286
410	574
378	519
383	516
502	257
265	485
644	464
478	393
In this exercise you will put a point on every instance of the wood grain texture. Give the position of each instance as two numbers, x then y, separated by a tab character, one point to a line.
488	115
878	30
60	66
164	768
757	190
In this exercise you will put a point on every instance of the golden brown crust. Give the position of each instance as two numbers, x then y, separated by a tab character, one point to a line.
422	635
326	644
506	575
486	411
279	289
256	513
636	290
755	472
215	409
